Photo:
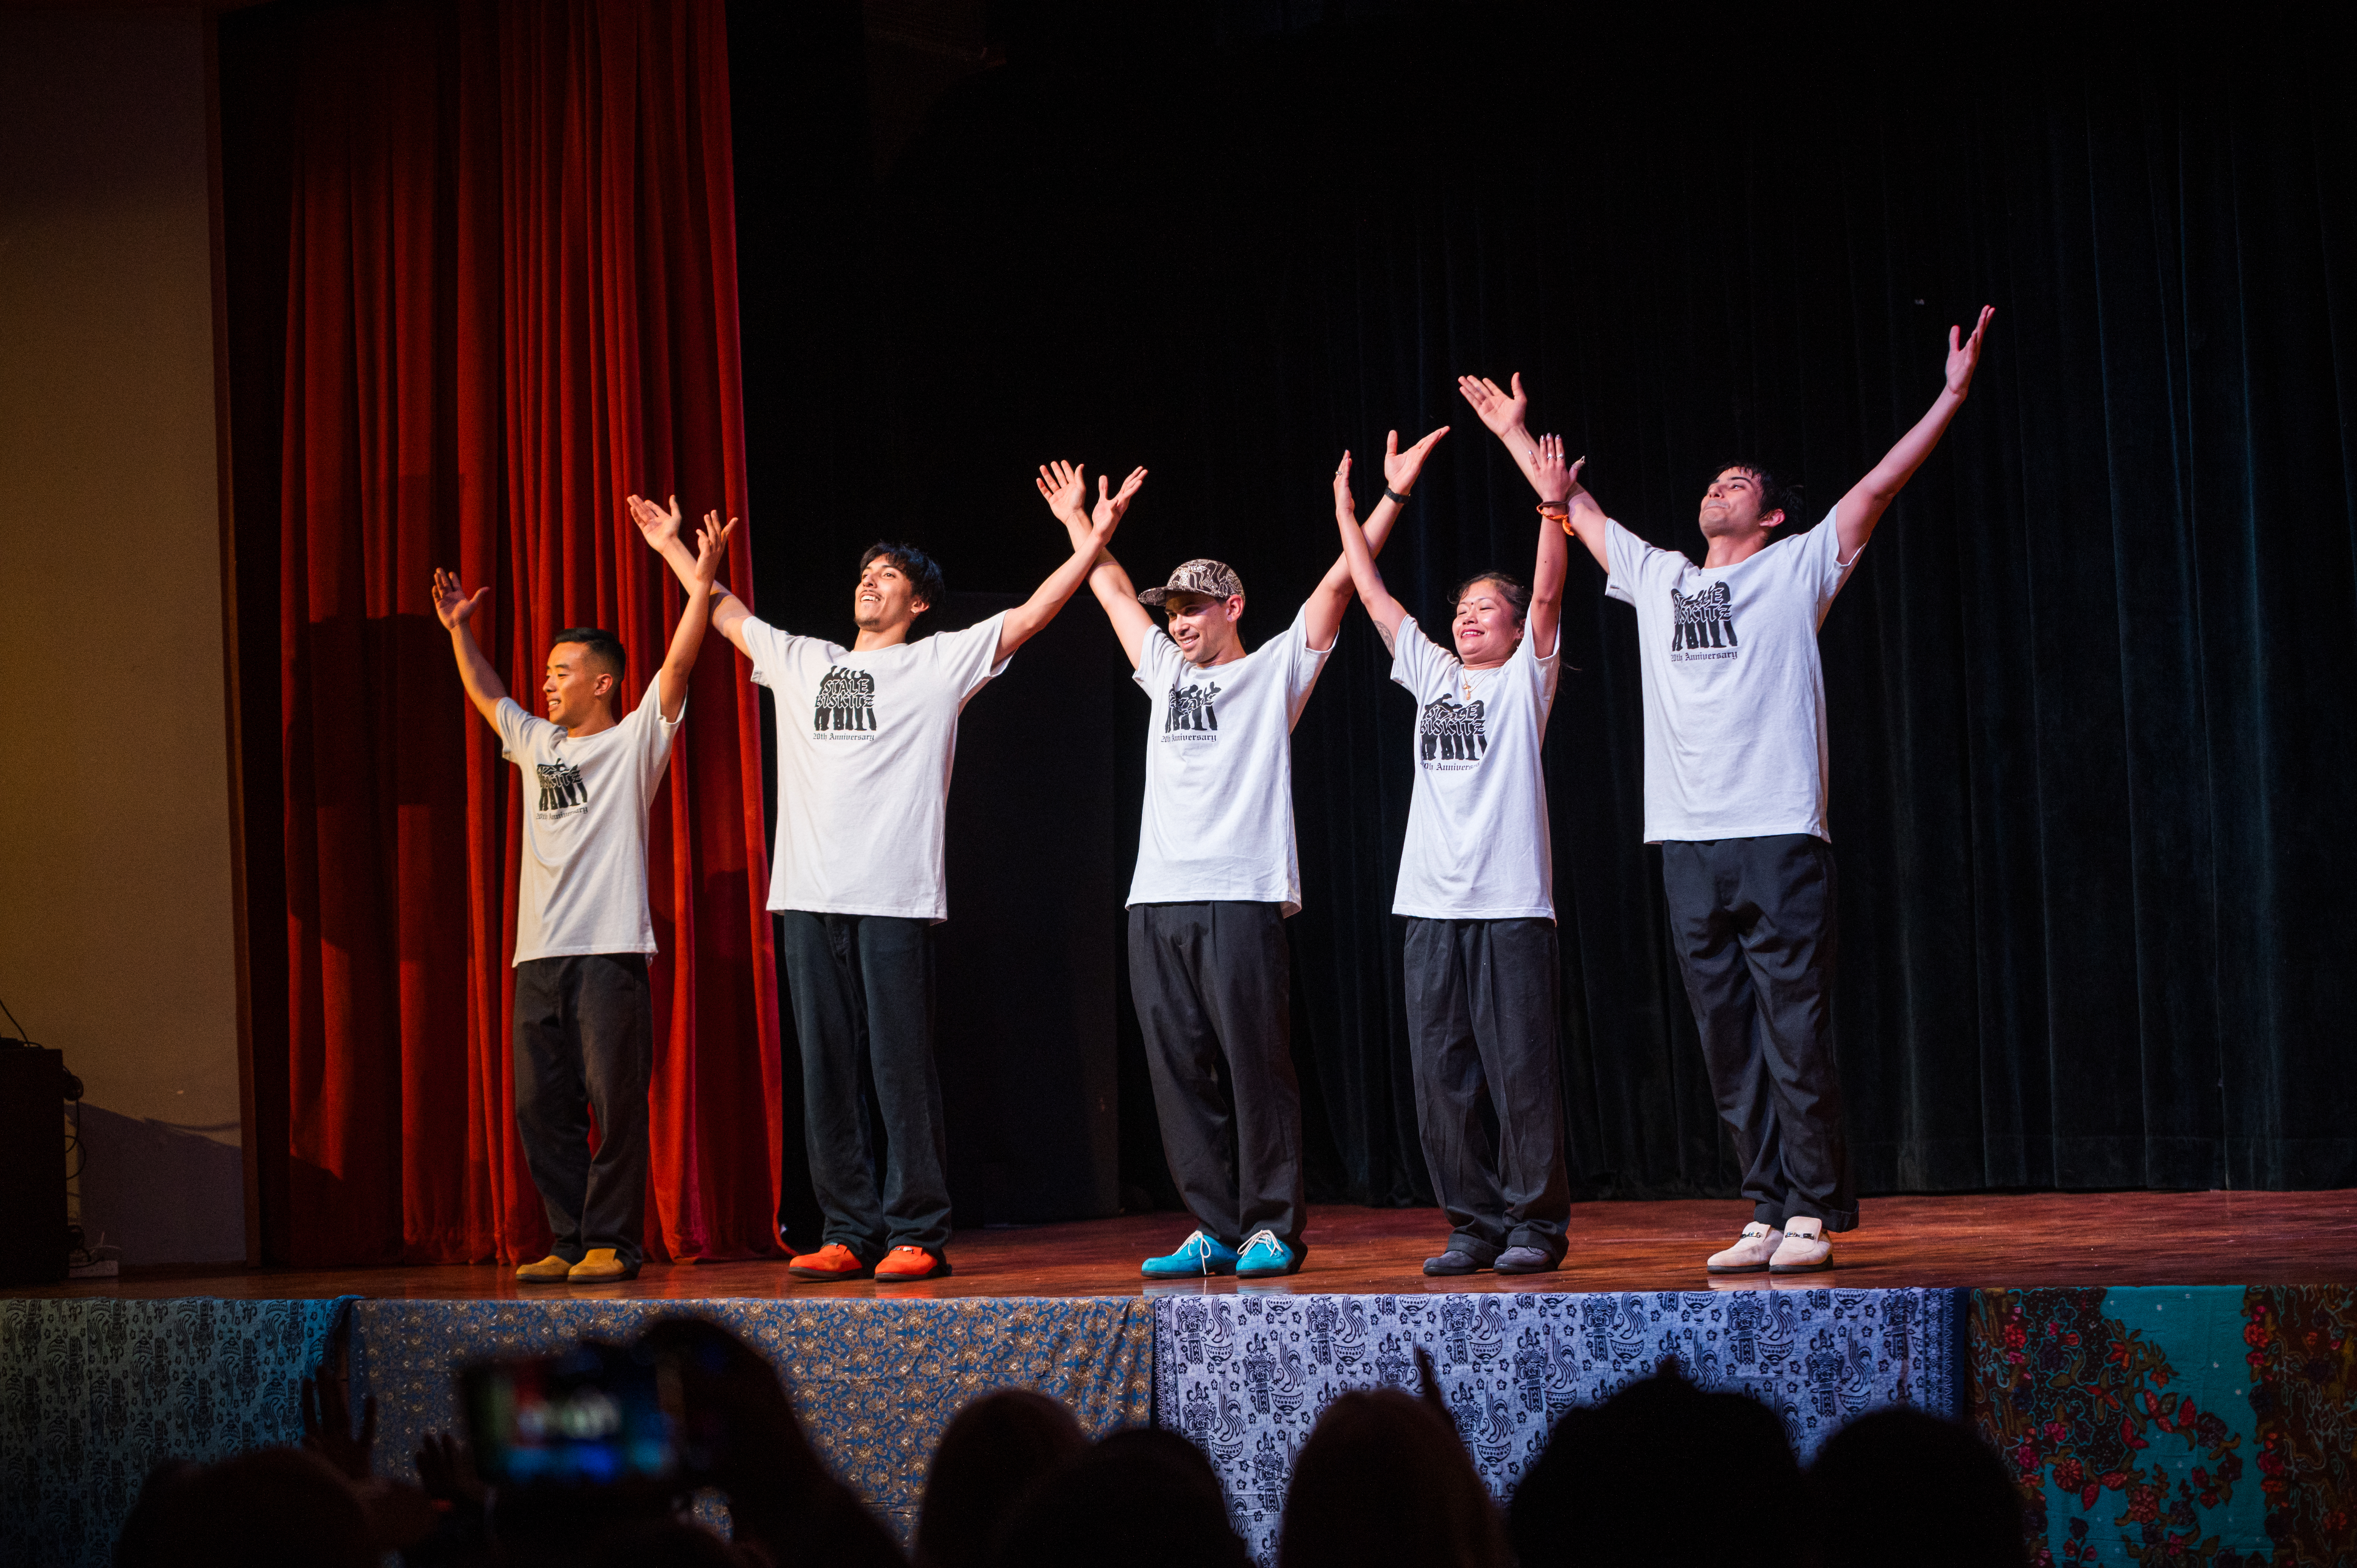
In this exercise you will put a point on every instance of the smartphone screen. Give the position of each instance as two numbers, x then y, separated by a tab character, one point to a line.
599	1415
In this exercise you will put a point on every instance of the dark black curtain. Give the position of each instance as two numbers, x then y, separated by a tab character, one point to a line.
2090	686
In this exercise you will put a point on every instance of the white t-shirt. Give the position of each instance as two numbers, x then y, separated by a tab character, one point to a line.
1218	823
1734	693
865	741
585	828
1478	848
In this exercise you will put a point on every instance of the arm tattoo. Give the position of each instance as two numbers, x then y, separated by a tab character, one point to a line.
1385	632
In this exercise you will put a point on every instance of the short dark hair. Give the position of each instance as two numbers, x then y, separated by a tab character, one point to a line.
603	647
1517	592
919	568
1776	494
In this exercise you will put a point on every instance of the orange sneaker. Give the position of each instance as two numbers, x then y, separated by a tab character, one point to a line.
902	1264
833	1262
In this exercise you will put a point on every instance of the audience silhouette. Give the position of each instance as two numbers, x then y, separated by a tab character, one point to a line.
1661	1472
993	1451
1900	1484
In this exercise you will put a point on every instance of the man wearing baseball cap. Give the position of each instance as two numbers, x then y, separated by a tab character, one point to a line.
1216	876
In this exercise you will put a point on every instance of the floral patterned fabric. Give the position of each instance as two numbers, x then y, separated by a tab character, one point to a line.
873	1381
1247	1375
2211	1425
95	1393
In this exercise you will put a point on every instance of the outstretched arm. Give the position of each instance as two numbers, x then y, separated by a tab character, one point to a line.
1024	621
662	529
1556	483
1332	596
1387	611
687	638
455	608
1862	507
1065	489
1504	412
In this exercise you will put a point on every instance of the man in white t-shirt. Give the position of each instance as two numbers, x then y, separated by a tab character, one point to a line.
1476	885
1735	754
584	1012
867	736
1216	876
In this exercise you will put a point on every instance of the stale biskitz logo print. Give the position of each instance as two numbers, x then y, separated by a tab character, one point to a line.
1191	714
561	786
1703	627
1451	734
846	703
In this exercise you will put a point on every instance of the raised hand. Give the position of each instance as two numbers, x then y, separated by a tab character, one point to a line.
447	1470
660	528
711	548
1555	479
328	1427
1400	468
1065	489
1503	412
1112	504
452	606
1346	505
1965	358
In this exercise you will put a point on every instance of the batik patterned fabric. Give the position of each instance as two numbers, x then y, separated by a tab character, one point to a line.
95	1393
2168	1426
1247	1375
873	1381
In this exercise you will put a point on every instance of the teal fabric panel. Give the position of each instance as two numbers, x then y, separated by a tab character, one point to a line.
95	1393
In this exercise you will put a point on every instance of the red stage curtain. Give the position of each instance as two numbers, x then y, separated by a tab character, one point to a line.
511	301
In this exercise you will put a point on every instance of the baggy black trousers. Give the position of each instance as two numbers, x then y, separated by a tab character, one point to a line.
584	1037
861	991
1213	984
1488	1100
1753	922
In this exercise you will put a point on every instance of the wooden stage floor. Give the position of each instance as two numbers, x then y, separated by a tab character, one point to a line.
2036	1238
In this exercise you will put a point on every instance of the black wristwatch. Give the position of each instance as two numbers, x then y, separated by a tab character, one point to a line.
1391	494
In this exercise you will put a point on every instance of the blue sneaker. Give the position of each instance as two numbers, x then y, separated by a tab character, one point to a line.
1197	1257
1264	1256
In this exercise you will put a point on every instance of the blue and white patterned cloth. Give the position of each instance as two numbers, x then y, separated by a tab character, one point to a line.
875	1383
95	1393
1247	1375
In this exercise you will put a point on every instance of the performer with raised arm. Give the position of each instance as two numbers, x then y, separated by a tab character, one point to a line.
1476	885
1216	877
867	736
1736	751
584	1012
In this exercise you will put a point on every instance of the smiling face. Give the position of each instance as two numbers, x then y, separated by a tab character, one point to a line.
575	687
887	597
1205	628
1487	626
1731	508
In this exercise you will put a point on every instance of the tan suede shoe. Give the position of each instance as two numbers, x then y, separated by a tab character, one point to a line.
550	1271
601	1266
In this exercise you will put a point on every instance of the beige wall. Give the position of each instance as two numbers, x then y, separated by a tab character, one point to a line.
116	933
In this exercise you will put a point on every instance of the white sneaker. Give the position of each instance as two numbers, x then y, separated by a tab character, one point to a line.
1751	1253
1806	1249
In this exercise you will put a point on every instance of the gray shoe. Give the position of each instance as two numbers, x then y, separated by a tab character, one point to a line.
1525	1260
1451	1262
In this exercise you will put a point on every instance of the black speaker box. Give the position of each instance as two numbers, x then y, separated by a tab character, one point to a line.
32	1165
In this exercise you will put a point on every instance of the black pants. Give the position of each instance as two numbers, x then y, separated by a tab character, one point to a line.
1212	983
585	1042
1754	924
1489	1103
862	989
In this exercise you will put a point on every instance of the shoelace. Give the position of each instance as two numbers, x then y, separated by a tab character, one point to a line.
1201	1245
1257	1236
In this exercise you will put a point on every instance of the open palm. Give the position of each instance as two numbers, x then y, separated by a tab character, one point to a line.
1501	410
1965	357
